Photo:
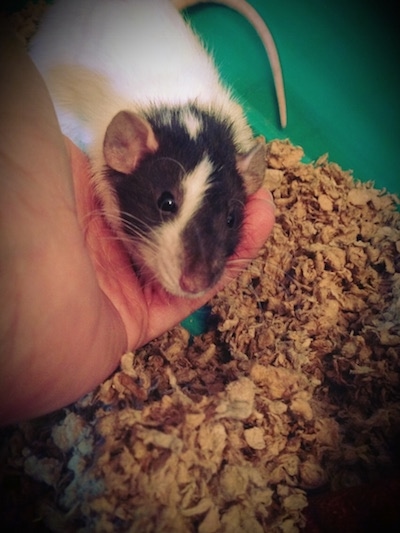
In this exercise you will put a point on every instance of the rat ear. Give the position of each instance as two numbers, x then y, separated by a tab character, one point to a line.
128	138
251	166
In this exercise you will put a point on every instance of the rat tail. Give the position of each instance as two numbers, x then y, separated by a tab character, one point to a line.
245	9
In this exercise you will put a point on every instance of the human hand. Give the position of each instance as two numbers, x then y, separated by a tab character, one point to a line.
71	304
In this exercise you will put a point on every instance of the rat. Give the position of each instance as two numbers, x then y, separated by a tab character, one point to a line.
173	158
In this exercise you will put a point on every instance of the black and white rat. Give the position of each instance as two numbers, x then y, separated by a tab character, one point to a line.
172	156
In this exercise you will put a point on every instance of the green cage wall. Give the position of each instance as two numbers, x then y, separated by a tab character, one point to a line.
340	61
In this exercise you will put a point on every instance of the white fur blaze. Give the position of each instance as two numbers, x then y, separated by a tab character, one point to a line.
193	124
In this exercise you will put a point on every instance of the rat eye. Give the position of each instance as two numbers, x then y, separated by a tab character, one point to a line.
166	203
230	220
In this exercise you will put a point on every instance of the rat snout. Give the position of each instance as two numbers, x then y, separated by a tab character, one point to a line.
199	277
206	244
191	285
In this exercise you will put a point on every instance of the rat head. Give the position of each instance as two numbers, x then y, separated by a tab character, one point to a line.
180	189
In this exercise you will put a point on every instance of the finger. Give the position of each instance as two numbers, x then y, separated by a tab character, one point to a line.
258	224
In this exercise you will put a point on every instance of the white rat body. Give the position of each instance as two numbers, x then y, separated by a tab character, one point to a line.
172	155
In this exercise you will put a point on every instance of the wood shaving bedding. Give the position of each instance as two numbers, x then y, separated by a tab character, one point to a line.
293	391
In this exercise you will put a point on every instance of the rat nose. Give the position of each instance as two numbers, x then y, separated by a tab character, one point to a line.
193	284
197	279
